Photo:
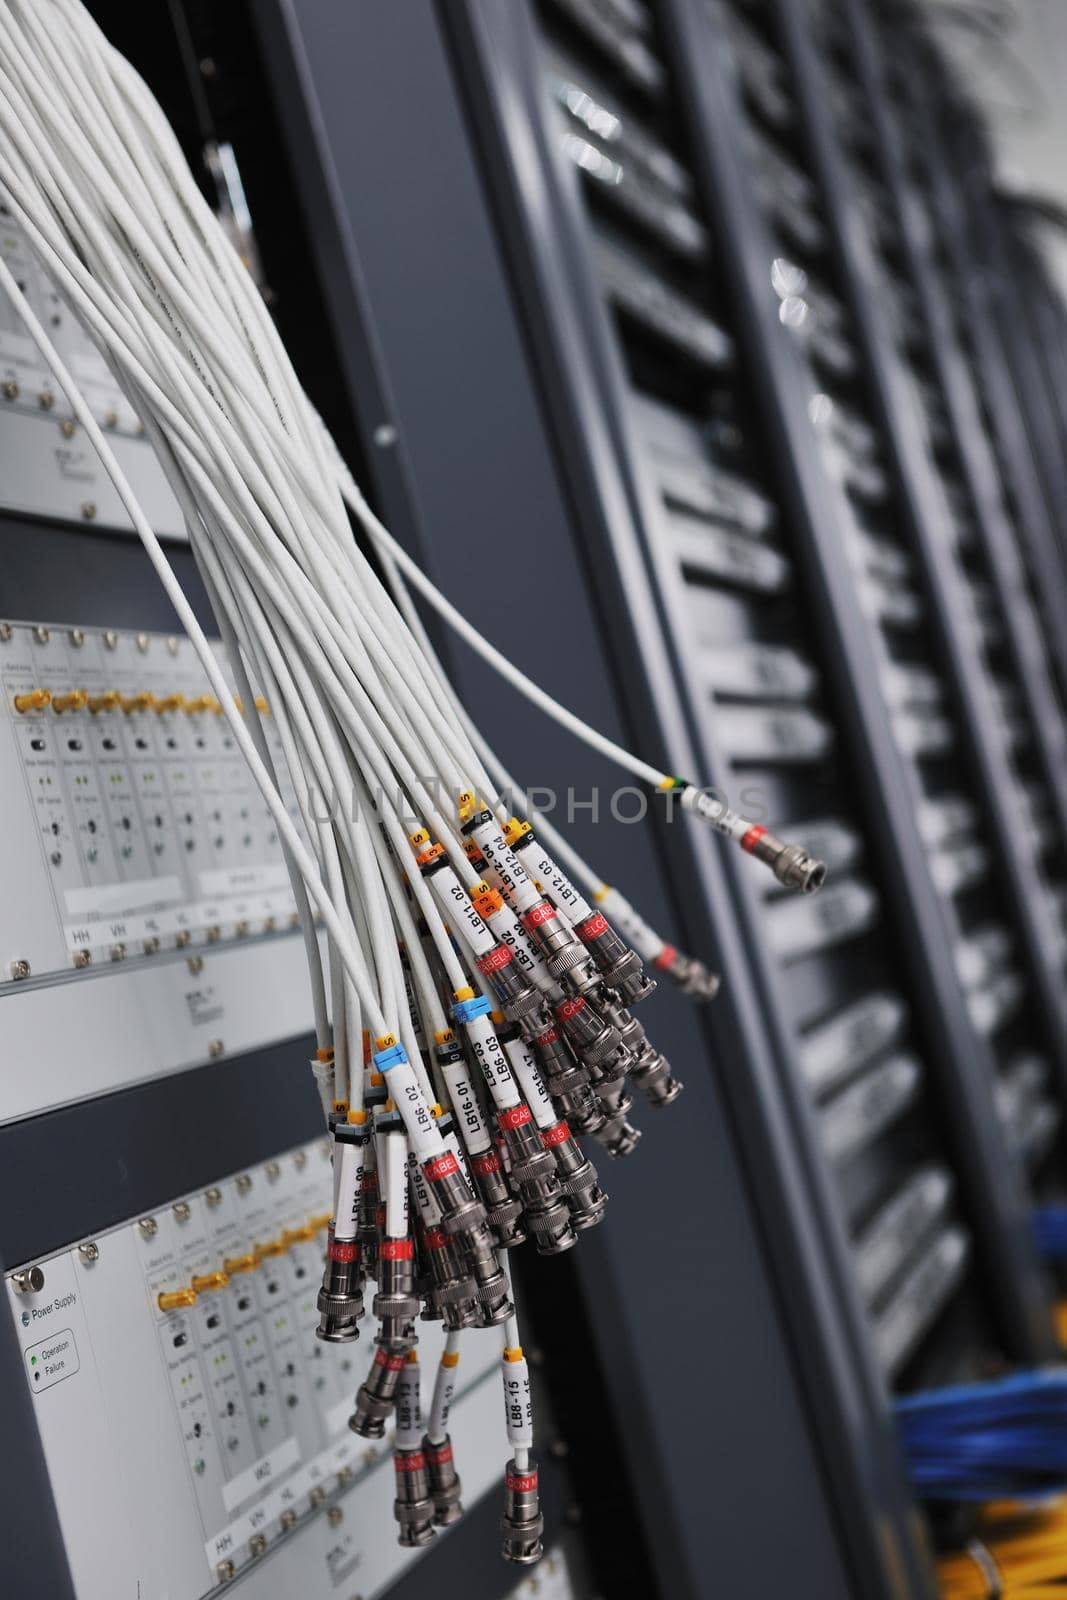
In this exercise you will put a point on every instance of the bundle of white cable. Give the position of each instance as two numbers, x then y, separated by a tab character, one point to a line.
365	716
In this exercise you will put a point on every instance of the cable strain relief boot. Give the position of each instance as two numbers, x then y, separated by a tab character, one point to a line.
446	1489
413	1508
377	1393
522	1524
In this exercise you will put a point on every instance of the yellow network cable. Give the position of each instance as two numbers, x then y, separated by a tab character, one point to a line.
1018	1554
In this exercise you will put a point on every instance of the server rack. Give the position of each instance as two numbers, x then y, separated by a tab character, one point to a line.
649	217
983	605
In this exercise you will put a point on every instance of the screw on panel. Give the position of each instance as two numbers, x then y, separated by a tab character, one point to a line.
288	1518
46	399
317	1495
225	1571
41	633
273	1170
182	938
244	1183
88	509
77	637
195	965
151	945
300	1160
29	1281
89	1252
82	958
345	1476
182	1210
111	639
335	1515
117	952
68	428
241	930
111	418
6	632
11	390
56	858
215	1049
257	1544
142	643
20	969
269	924
173	644
214	934
149	1227
213	1196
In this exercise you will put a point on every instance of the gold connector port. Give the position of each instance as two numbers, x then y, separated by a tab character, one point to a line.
32	700
176	1299
108	700
170	702
207	1282
74	700
138	702
236	1264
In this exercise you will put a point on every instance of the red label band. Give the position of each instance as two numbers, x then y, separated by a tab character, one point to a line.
396	1363
666	956
522	1483
570	1008
541	912
342	1252
514	1117
409	1461
441	1166
368	1183
496	958
435	1239
440	1454
396	1250
550	1036
752	838
556	1135
593	926
484	1165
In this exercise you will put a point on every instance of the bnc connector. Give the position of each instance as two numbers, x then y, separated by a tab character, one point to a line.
790	863
445	1487
522	1524
452	1291
340	1299
618	1136
503	1211
534	1173
691	975
653	1076
376	1397
595	1042
519	1000
396	1303
620	967
567	959
413	1508
463	1218
578	1180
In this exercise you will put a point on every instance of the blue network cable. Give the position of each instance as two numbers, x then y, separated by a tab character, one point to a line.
1050	1232
988	1441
